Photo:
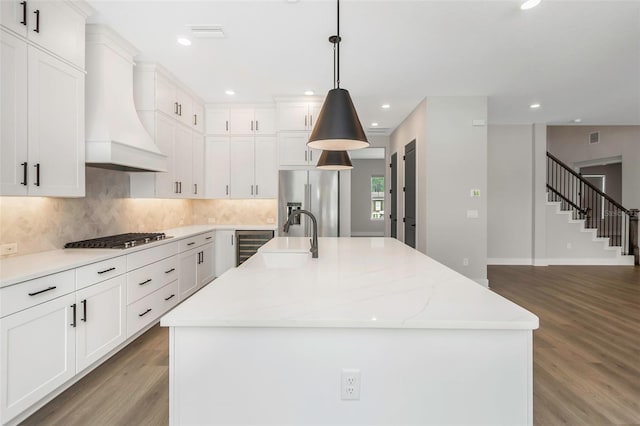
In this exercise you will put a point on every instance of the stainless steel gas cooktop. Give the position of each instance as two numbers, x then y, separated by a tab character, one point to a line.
120	241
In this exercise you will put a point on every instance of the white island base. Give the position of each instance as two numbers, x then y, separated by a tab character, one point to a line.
267	346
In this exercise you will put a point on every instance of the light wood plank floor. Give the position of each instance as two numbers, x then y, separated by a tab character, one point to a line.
586	355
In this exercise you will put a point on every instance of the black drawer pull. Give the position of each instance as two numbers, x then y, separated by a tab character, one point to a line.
37	182
73	324
145	312
24	13
170	297
208	238
170	271
24	174
84	310
37	29
42	291
145	282
107	270
191	243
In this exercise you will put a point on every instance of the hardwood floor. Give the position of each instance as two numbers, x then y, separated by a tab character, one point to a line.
586	355
587	350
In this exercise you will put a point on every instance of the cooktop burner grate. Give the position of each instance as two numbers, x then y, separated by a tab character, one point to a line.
119	241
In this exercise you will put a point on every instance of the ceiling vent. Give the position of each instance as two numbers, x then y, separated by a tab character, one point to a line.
378	130
594	137
206	31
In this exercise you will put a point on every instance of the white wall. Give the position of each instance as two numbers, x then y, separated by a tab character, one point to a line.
361	222
451	159
509	194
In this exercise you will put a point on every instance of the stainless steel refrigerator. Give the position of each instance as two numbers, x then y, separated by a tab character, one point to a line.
314	190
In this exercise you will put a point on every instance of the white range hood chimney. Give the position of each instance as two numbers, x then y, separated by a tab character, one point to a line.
115	137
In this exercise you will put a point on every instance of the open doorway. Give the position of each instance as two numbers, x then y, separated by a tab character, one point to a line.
368	187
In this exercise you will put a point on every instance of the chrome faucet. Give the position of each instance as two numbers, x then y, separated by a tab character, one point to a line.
314	240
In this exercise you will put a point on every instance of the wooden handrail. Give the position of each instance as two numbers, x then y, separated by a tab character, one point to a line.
589	184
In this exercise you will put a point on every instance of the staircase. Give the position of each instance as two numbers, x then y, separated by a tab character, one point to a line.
604	232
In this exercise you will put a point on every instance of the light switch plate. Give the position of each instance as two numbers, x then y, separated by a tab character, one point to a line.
472	214
474	193
11	248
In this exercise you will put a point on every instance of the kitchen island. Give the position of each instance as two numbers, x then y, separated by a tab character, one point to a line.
271	342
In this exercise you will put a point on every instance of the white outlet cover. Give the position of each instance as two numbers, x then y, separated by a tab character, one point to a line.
472	214
350	385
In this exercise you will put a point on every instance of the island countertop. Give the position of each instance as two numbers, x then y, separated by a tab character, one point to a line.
355	282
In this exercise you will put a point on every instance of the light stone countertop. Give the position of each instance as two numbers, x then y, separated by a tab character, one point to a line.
16	269
355	283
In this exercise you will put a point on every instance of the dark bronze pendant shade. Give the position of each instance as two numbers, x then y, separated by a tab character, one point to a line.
334	160
338	127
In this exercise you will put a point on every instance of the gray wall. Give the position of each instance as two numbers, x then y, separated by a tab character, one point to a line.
509	197
613	178
361	223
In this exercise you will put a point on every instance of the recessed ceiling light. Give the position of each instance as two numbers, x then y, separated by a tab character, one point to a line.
578	120
385	106
374	124
534	106
529	4
184	41
230	92
309	92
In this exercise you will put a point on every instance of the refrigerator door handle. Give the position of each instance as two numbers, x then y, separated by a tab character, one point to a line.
307	205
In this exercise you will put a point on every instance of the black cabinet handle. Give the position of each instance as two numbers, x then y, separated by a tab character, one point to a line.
145	312
37	12
208	238
179	187
180	110
195	188
145	282
257	129
107	270
226	125
176	108
195	119
42	291
84	310
37	166
191	243
24	13
170	271
24	173
170	297
73	324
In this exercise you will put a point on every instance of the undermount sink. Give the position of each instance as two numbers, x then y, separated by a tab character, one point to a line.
285	259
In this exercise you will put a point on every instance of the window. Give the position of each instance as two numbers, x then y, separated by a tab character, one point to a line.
377	197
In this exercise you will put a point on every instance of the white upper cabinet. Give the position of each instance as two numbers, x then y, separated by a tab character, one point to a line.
197	172
266	168
166	100
198	117
56	26
297	116
254	172
239	121
217	167
293	150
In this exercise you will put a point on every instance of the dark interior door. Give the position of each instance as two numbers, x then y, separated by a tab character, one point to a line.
394	196
410	194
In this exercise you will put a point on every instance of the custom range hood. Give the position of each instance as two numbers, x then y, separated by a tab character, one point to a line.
115	137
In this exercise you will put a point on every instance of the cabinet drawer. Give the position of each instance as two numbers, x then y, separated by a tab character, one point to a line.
151	307
148	279
145	257
196	241
168	296
100	271
33	292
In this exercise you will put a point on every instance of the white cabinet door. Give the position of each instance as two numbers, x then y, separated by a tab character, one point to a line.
266	167
293	116
164	135
206	265
185	107
265	121
225	251
57	27
197	184
314	111
101	320
13	113
292	149
217	121
166	96
188	273
14	15
56	127
183	161
37	354
198	117
242	177
241	121
217	167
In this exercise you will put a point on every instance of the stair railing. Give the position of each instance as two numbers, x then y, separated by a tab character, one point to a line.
587	202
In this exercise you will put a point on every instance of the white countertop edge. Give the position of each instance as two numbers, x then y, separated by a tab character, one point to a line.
431	325
55	261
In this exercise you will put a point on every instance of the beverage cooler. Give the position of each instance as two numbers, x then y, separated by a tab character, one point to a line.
248	243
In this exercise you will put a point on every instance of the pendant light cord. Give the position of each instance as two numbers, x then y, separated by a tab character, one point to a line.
338	25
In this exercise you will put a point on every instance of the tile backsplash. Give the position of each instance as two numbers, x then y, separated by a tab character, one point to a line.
42	223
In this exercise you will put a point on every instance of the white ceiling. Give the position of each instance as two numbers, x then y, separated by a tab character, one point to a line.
579	59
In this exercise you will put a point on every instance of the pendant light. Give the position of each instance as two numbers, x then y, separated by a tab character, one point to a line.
334	160
338	127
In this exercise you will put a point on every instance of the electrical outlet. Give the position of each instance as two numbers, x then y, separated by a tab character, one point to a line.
569	246
11	248
465	261
271	220
350	385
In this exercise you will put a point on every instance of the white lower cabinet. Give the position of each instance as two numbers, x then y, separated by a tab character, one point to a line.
38	353
225	252
100	320
149	308
206	265
188	272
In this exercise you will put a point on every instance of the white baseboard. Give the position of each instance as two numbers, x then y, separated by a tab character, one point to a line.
367	234
540	262
482	281
621	261
509	261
